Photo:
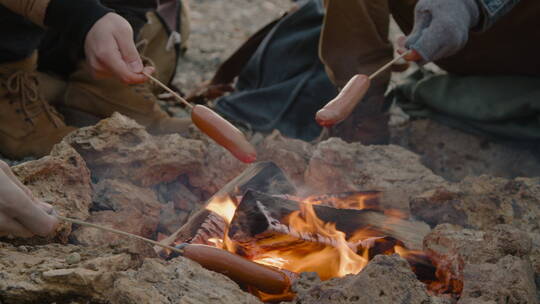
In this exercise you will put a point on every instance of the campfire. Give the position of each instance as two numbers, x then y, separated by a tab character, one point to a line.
332	235
267	233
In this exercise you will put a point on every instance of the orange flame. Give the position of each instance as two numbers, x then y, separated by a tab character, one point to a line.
224	207
310	244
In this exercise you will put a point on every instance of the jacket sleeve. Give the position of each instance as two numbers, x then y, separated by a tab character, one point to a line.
73	18
58	13
493	10
34	10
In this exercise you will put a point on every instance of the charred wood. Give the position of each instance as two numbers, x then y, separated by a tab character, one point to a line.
260	215
204	224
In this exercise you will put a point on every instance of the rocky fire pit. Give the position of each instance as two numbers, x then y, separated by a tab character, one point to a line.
485	237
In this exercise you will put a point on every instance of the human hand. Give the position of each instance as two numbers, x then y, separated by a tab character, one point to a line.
110	50
21	214
441	28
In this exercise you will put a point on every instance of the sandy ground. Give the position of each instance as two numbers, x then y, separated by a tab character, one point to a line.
219	27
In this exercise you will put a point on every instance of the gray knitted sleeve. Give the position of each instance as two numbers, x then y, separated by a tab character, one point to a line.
493	10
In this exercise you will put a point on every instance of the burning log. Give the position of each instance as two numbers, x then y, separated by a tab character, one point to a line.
205	224
242	226
259	216
263	229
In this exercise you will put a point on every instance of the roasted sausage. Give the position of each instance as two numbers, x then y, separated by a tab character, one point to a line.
224	133
239	269
342	106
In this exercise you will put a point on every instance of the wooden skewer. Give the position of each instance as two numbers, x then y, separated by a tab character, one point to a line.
166	88
130	235
389	64
185	102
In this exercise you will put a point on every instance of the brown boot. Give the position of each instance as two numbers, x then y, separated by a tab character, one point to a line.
157	43
87	100
87	97
29	126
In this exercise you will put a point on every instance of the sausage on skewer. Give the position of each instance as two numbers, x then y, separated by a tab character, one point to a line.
224	133
216	127
239	269
342	106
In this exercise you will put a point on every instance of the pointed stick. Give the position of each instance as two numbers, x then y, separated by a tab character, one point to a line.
166	88
389	64
112	230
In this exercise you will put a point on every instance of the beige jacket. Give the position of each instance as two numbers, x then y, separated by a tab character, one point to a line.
34	10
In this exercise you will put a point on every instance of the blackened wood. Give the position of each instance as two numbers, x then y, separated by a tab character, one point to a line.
259	215
262	176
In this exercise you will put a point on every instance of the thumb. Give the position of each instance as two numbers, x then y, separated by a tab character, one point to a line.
130	67
129	53
440	40
422	21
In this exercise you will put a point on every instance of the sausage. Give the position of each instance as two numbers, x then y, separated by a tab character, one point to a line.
224	133
239	269
342	106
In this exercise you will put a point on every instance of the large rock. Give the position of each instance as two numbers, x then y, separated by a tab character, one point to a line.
483	266
179	194
123	206
119	148
45	274
337	166
484	202
51	274
171	219
455	155
291	155
219	167
386	279
178	203
511	279
62	180
481	203
179	281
